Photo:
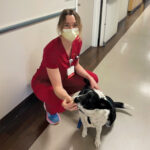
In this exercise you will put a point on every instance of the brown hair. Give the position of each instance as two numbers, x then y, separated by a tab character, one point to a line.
62	19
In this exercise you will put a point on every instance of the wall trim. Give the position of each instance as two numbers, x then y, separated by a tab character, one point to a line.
29	22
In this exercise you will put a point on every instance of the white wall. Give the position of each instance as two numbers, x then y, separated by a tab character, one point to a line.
20	55
20	10
85	11
123	8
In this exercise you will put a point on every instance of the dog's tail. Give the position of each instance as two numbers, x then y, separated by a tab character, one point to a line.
123	105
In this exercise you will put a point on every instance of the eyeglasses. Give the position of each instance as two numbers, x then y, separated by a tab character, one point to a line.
67	25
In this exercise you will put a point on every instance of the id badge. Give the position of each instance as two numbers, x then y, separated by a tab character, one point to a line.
70	72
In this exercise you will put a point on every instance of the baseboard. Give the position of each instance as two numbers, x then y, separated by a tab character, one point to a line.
18	111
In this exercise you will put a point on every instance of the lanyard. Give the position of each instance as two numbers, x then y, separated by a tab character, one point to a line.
71	60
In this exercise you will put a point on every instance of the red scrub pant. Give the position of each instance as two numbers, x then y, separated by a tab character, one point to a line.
44	92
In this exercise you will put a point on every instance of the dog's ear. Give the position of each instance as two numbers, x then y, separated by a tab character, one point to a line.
83	91
110	100
87	82
86	87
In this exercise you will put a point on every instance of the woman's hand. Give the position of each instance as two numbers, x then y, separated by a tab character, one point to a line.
93	84
69	104
83	73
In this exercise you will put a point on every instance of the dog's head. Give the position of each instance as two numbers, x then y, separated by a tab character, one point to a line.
92	103
90	99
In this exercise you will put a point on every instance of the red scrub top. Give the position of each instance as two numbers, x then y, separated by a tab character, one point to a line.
55	56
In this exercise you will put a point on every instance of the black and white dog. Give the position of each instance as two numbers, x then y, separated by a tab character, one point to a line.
96	110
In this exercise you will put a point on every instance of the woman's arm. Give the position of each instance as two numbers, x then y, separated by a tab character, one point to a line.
61	93
55	79
83	73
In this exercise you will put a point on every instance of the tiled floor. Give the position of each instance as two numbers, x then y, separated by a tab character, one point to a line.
125	76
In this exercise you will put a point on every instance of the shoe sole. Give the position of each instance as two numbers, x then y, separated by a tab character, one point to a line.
50	122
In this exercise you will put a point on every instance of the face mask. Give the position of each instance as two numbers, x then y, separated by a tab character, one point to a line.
70	34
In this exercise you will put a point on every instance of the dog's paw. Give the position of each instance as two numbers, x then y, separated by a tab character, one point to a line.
84	134
97	143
